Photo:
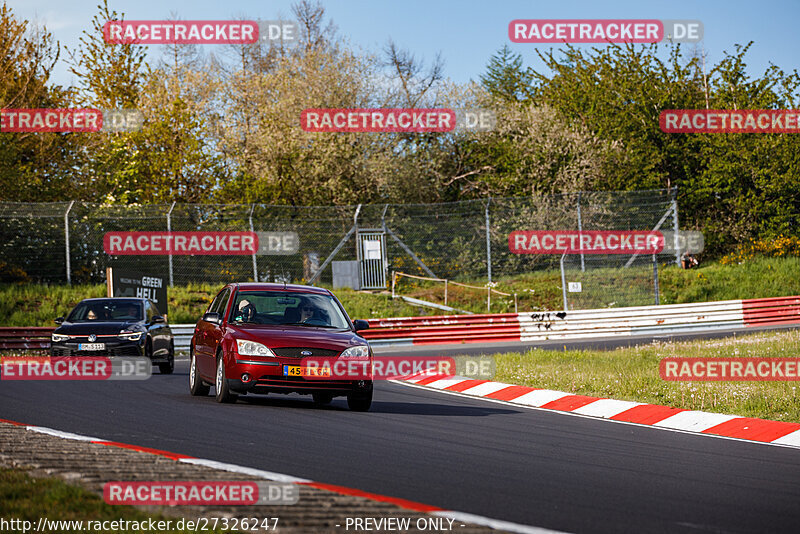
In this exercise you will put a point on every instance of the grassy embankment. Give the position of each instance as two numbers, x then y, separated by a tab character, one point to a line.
38	305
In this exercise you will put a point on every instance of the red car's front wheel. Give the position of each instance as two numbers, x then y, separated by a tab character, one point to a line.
222	393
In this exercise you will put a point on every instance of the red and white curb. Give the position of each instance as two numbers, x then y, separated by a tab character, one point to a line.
280	477
665	417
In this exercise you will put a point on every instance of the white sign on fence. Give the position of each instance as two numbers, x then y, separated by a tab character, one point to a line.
574	287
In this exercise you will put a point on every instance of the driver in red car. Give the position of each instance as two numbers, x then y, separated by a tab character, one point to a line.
247	310
306	311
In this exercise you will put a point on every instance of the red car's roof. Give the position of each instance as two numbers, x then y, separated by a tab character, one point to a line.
263	286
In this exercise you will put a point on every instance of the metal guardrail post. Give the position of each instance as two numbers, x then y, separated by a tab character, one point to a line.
580	229
169	231
655	278
676	239
255	265
488	243
66	239
564	282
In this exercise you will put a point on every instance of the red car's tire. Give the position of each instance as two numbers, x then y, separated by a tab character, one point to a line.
222	393
196	385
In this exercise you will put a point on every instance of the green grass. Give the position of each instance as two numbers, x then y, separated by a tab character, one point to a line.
541	290
632	374
38	305
29	498
758	278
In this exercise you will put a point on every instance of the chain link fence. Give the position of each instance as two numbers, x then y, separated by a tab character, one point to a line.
468	240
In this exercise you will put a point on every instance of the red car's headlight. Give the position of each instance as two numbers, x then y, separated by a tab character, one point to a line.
359	351
251	348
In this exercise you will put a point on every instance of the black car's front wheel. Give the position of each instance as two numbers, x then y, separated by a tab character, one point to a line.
169	366
222	393
196	385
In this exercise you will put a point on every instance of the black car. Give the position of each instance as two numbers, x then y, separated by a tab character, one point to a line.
115	327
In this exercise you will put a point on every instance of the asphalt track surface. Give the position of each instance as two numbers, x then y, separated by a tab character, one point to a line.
533	467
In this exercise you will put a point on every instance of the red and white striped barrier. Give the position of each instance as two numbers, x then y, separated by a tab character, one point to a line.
582	324
732	426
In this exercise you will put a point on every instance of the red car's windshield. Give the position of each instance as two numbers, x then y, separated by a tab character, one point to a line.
287	308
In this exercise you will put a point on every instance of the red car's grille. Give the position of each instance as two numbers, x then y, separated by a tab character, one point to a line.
295	352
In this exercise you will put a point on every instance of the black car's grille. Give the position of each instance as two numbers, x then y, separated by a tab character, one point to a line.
129	350
294	352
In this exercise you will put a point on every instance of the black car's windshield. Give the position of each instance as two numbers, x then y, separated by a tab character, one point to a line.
106	310
288	308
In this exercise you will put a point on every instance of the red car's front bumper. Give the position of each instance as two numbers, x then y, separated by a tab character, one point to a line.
257	375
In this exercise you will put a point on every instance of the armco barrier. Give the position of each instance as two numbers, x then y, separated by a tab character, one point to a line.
582	324
25	338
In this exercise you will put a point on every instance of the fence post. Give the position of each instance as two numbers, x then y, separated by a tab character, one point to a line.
169	232
445	292
488	243
564	282
255	265
66	239
675	229
489	299
580	229
655	278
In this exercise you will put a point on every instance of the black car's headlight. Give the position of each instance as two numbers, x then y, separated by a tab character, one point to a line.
251	348
57	338
130	336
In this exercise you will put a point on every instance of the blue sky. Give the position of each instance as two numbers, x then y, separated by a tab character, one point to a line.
465	32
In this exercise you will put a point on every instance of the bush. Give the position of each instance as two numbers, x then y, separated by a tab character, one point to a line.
11	274
780	247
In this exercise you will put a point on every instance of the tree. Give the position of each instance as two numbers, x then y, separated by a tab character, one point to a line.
505	78
33	166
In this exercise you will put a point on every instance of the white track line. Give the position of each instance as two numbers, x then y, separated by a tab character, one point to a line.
280	477
233	468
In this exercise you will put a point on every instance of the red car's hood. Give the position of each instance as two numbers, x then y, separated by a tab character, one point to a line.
297	336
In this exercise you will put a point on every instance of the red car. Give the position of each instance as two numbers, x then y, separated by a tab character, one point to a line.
256	338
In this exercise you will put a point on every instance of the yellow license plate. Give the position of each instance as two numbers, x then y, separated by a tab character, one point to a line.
296	370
